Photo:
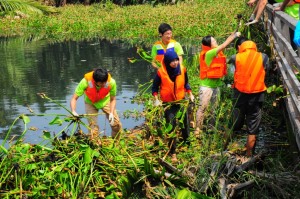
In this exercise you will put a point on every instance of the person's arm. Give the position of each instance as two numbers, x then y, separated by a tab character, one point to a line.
78	92
284	4
112	105
155	89
228	41
188	87
153	55
260	8
266	61
179	51
251	2
73	103
155	85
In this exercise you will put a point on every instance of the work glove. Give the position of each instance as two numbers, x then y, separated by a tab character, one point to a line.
252	17
237	34
192	98
75	114
111	119
157	102
251	22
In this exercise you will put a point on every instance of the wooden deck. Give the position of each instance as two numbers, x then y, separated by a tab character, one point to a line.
280	28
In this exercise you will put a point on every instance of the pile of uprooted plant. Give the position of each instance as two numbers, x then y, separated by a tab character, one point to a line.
138	165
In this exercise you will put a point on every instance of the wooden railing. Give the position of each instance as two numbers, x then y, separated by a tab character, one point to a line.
280	28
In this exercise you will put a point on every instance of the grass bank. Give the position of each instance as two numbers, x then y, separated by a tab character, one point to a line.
137	24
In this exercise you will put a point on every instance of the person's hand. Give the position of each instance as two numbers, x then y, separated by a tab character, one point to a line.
251	2
192	98
251	22
75	114
157	102
111	119
237	34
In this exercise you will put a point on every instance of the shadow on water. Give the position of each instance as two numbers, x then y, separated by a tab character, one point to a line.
28	68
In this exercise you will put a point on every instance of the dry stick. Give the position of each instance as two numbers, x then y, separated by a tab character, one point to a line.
281	178
233	188
168	166
247	164
223	187
230	166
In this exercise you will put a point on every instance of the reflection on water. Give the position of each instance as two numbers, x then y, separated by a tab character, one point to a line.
28	68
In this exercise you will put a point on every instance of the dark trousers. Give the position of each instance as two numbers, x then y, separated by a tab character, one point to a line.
251	113
170	115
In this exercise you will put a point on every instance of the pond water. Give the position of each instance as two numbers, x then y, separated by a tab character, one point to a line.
31	67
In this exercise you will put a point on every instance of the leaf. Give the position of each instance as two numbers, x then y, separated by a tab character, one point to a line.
178	114
56	120
279	90
3	149
88	155
25	119
169	128
31	166
132	60
46	135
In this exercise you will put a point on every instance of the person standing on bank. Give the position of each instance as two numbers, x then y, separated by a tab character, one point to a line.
249	88
172	81
100	91
212	70
164	45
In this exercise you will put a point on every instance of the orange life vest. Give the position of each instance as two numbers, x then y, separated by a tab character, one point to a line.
161	51
249	75
171	91
217	68
297	1
92	92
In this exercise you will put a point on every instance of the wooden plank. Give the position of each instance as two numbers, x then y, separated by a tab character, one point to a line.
279	28
293	59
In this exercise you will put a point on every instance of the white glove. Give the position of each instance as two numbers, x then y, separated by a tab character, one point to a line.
192	98
252	17
237	34
251	22
111	119
157	102
75	114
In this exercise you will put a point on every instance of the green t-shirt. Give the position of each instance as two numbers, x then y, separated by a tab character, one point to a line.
208	82
177	47
83	84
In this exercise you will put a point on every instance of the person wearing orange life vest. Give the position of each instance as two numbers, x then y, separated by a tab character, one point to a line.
249	87
99	90
171	81
164	45
212	70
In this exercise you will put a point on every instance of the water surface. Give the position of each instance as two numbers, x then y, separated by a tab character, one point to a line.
28	68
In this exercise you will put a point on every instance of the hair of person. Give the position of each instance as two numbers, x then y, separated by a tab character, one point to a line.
100	75
239	41
206	41
163	28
